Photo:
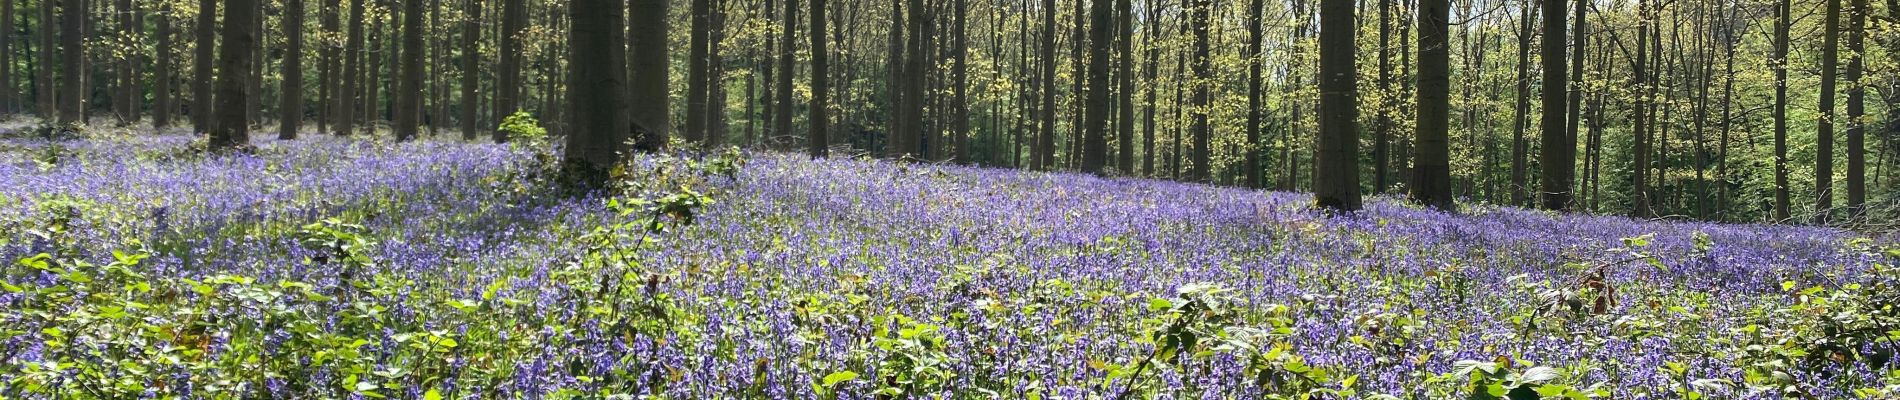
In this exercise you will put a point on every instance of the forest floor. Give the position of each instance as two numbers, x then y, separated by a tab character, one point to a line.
331	267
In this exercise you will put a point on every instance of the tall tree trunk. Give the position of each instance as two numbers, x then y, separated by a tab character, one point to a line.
162	107
820	142
1381	136
1125	86
1150	73
1783	199
234	64
1045	149
1856	109
508	84
472	67
597	60
1520	146
43	86
1201	169
127	97
8	93
716	78
959	86
1558	156
788	34
1579	33
292	95
647	59
696	71
329	64
1094	141
409	96
895	127
1431	181
1639	194
916	71
1336	171
1824	129
352	72
254	87
72	91
1255	97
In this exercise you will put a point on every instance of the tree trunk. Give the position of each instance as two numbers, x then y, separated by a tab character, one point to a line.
72	89
1045	149
820	142
788	33
409	96
1255	97
696	71
1431	181
647	59
292	95
1520	147
1856	109
1824	127
960	90
1200	171
234	64
127	97
1558	156
597	100
472	69
162	107
8	94
1336	171
1094	141
352	72
43	86
508	84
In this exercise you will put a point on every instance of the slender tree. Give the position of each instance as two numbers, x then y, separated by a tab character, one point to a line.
292	96
1782	197
697	78
508	83
1824	125
1856	108
647	61
8	95
1256	37
820	142
352	71
472	69
788	31
43	79
234	66
72	91
162	80
409	96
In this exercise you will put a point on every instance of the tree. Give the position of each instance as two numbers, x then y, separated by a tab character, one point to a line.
960	90
1200	170
1044	155
7	94
1639	192
472	69
1824	126
1336	167
697	79
1856	109
820	83
1094	136
352	71
783	122
72	91
1255	96
508	83
597	101
234	67
43	77
126	100
292	98
1558	156
1125	126
647	62
409	98
162	107
1782	198
1431	181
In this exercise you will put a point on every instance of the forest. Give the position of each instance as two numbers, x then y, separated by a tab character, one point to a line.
950	199
1704	110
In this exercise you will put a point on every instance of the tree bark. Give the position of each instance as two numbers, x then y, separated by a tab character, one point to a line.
1431	181
72	89
508	84
352	72
234	66
1824	127
409	96
596	103
1856	109
472	69
820	142
1336	173
788	34
292	95
1094	141
647	59
1558	155
1200	170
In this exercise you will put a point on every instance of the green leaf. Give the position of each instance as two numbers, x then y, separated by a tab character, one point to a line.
839	377
432	394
